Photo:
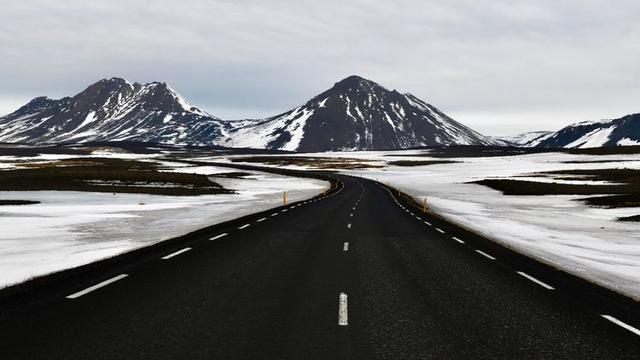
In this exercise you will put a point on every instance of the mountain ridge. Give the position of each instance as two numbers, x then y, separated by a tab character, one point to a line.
624	131
354	114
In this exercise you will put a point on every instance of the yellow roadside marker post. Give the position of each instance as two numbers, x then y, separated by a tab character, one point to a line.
424	205
284	198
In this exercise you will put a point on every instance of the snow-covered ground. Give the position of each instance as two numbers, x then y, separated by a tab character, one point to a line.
557	230
69	229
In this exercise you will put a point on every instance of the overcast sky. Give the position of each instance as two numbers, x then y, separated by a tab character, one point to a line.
501	67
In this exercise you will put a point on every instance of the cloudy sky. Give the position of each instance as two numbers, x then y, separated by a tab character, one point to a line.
501	67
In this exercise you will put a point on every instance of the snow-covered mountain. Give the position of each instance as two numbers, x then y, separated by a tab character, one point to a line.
528	139
355	114
618	132
113	110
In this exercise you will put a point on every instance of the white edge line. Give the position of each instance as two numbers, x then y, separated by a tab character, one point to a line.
219	236
97	286
176	253
546	286
485	254
458	240
621	324
343	315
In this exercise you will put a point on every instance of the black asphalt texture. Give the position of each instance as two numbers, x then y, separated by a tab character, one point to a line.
271	291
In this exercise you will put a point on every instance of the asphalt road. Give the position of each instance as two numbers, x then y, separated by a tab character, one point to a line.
359	274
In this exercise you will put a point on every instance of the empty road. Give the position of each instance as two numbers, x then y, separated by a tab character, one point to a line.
358	274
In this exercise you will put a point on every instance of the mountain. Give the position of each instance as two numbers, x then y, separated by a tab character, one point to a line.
355	114
528	139
618	132
113	110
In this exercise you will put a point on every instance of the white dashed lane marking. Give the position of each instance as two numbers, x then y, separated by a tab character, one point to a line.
219	236
343	315
485	254
176	253
621	324
97	286
440	230
345	247
458	240
244	226
531	278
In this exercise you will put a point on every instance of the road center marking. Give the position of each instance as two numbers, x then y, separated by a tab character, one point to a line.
621	324
343	315
345	247
176	253
485	254
219	236
96	286
546	286
458	240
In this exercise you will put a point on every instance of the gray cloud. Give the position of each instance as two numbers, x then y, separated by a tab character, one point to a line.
498	66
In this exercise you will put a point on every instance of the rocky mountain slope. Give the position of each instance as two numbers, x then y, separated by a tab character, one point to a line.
355	114
618	132
113	110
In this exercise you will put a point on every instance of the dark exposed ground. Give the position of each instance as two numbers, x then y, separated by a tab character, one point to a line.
315	162
525	187
473	151
486	151
8	149
623	192
18	202
106	175
606	150
419	162
630	218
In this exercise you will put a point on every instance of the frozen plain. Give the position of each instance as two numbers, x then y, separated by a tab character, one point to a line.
69	229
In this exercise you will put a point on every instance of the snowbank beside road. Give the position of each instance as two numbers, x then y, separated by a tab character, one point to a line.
68	229
580	239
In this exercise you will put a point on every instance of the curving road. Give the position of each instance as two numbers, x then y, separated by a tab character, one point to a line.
359	274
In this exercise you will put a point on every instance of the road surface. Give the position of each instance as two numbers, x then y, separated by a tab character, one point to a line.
359	274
